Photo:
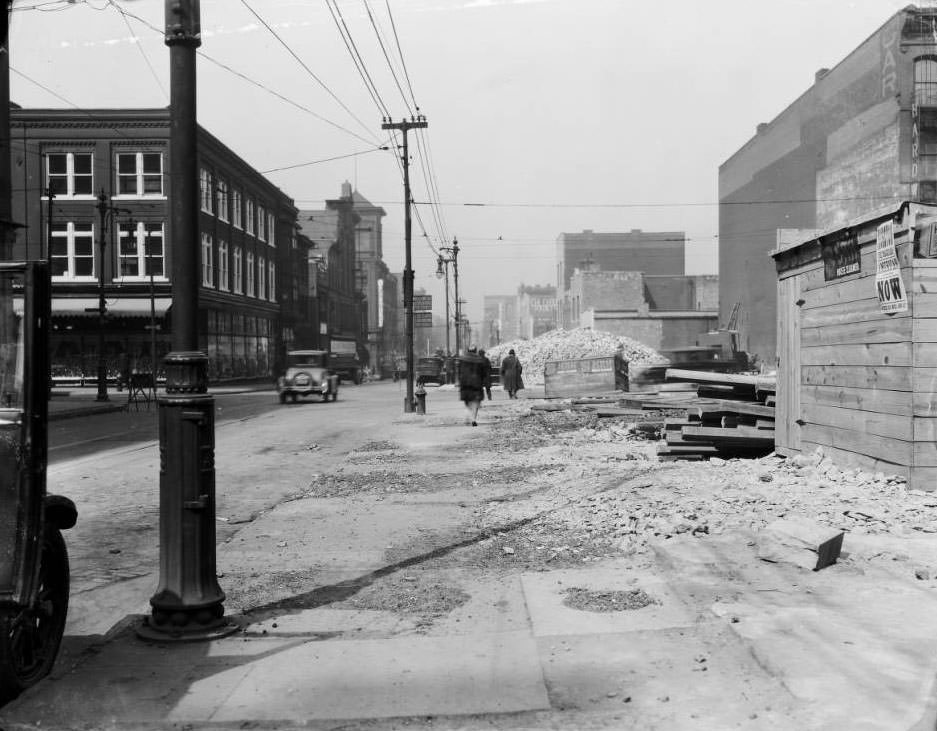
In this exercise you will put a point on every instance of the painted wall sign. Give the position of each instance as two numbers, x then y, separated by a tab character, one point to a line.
889	286
840	256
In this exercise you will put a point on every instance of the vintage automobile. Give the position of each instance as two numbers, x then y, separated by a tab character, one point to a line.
307	374
430	370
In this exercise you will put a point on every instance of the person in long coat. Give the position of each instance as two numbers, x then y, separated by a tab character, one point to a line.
486	373
471	377
511	370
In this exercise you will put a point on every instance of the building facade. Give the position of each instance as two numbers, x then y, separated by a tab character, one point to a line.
536	310
862	136
650	252
93	191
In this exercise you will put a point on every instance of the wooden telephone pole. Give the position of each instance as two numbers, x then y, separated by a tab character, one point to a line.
404	126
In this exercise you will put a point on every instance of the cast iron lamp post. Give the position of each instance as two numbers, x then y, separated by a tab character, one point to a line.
106	212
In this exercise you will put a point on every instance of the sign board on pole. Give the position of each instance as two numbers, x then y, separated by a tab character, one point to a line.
422	302
422	319
892	296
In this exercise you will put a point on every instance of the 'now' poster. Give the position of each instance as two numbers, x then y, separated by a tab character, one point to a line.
888	283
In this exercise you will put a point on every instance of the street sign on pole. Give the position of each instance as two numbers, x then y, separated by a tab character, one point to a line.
422	302
422	319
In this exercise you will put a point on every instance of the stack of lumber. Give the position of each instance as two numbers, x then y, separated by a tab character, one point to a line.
730	415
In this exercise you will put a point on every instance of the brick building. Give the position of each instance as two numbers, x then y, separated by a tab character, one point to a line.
246	240
862	136
650	252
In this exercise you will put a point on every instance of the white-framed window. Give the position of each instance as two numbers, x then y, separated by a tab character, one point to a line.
139	174
208	262
140	250
271	229
237	207
206	195
223	283
70	174
249	218
249	270
261	277
237	257
261	223
272	282
73	251
221	199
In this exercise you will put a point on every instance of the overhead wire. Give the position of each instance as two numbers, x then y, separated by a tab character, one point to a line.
356	57
403	63
380	41
305	66
146	58
259	85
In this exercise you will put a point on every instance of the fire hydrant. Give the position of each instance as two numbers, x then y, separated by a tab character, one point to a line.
420	394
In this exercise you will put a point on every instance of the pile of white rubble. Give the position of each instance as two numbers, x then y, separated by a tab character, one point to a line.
569	345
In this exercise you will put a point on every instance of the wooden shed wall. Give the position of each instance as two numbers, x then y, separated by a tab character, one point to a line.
855	365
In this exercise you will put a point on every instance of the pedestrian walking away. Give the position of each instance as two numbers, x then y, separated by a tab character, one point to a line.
486	373
511	370
471	390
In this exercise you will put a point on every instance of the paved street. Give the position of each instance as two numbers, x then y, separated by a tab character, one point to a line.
391	570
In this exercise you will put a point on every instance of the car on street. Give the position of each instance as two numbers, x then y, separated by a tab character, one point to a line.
307	374
429	370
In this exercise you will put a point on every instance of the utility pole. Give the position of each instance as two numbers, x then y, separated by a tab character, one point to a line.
188	603
404	126
442	270
458	304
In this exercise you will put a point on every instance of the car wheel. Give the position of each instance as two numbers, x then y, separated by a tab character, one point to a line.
293	397
30	636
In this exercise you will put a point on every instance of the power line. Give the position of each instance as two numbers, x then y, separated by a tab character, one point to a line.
356	58
259	85
325	159
146	58
393	73
305	67
400	53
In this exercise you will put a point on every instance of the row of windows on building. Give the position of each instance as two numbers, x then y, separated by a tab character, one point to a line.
140	174
71	174
257	274
230	205
140	255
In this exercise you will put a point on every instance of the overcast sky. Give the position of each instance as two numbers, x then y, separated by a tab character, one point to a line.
557	115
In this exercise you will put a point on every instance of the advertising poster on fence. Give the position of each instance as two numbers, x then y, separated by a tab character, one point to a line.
891	292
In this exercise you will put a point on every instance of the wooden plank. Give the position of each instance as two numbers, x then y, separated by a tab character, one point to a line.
687	449
925	428
899	426
924	305
860	399
764	424
923	354
922	478
738	434
727	406
844	313
722	379
880	354
891	378
925	330
924	454
858	441
884	330
924	403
